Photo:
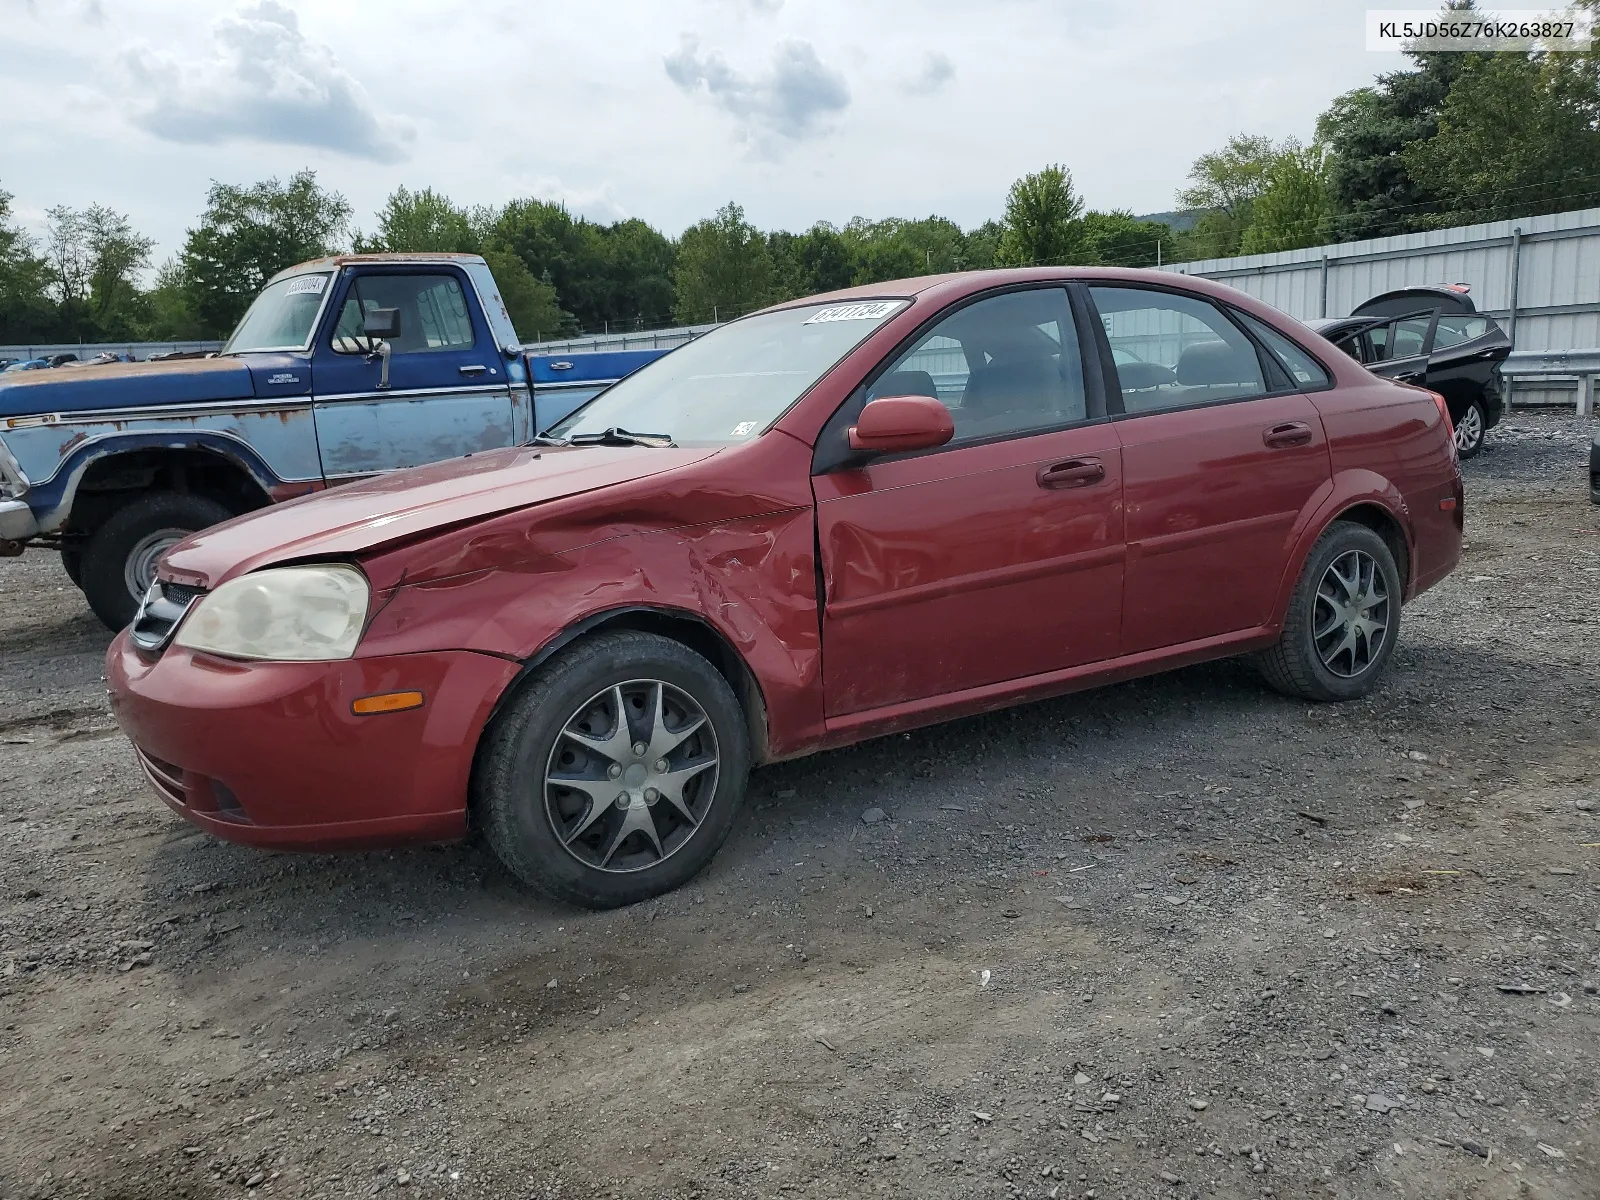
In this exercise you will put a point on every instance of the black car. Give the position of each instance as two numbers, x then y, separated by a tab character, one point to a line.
1436	338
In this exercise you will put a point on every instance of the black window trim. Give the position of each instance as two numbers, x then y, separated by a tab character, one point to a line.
1271	368
828	455
393	270
1235	313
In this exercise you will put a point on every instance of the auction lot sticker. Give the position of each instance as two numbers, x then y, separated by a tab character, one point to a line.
872	310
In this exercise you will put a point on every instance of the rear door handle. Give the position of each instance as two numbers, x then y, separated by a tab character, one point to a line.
474	369
1290	433
1074	473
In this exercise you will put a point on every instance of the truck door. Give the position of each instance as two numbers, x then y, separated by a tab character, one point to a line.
447	392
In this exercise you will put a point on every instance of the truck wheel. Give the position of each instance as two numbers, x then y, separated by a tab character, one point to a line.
72	564
1470	429
616	774
1342	621
119	561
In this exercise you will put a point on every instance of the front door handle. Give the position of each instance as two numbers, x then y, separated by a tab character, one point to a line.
1074	473
474	369
1290	433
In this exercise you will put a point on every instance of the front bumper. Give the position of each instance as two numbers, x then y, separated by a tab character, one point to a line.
270	754
17	522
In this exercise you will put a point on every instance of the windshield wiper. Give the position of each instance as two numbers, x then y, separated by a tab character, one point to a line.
617	436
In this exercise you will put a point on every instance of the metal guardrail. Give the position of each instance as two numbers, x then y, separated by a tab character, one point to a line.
87	350
1584	365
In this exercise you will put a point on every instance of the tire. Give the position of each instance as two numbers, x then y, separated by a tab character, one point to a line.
72	564
1300	664
1471	427
574	843
119	559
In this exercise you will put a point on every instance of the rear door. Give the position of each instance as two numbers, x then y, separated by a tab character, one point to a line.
992	558
447	393
1217	464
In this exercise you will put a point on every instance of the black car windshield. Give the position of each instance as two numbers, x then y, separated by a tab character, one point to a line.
733	382
281	316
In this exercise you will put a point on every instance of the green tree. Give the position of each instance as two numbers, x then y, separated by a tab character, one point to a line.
1518	134
249	234
1373	191
723	268
95	257
637	269
532	303
1117	239
979	246
1043	225
1225	184
168	314
1293	209
419	221
809	263
26	313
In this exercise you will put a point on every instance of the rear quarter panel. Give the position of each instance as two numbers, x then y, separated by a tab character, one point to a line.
1389	446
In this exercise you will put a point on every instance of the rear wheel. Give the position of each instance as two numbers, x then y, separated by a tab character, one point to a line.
72	564
1470	428
1342	620
119	561
616	774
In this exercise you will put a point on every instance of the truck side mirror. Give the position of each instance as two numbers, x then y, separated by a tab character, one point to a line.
381	323
380	326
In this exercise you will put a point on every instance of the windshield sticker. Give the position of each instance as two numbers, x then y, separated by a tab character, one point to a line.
743	429
874	310
306	283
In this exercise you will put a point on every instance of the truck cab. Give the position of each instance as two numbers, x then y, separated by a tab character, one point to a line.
342	368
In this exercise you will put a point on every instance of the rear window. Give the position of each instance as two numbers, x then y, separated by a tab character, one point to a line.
1454	330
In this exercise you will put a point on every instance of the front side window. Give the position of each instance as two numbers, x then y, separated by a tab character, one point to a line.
729	385
433	313
1173	351
282	316
1002	366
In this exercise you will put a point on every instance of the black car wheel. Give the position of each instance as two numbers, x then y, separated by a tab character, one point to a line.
119	561
1342	620
1470	428
615	775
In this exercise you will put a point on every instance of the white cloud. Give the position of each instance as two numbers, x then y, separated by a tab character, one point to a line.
264	81
596	203
937	71
790	101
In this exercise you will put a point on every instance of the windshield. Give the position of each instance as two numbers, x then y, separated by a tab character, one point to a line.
731	384
282	315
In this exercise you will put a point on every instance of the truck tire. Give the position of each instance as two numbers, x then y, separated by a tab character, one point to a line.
119	560
72	564
616	773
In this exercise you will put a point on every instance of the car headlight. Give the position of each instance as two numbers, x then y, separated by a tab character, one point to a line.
287	614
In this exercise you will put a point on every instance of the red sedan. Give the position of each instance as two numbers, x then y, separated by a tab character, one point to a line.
835	519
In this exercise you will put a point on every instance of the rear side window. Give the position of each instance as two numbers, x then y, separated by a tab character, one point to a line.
1173	351
1453	330
1410	337
1302	368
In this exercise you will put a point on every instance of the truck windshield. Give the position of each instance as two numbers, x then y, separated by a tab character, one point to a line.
732	383
282	315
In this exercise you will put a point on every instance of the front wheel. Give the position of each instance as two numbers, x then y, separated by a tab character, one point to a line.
1470	429
615	775
1342	621
118	563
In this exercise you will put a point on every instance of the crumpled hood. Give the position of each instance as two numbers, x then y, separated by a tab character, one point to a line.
349	521
124	385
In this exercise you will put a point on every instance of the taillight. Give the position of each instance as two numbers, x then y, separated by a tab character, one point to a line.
1444	413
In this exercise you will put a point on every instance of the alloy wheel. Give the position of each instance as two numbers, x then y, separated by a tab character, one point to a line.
1469	430
631	776
1350	616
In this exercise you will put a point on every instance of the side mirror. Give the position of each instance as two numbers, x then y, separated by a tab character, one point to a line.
895	424
381	324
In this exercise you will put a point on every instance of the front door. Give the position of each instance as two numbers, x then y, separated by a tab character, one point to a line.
995	557
447	392
1220	454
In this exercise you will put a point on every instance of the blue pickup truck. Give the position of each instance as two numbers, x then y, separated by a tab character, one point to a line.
342	368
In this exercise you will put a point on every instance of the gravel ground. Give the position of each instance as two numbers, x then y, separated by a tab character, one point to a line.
1179	937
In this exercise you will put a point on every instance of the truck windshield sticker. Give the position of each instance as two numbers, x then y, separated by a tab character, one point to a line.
306	283
743	429
873	310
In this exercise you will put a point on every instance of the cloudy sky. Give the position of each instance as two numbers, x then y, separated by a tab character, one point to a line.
661	109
